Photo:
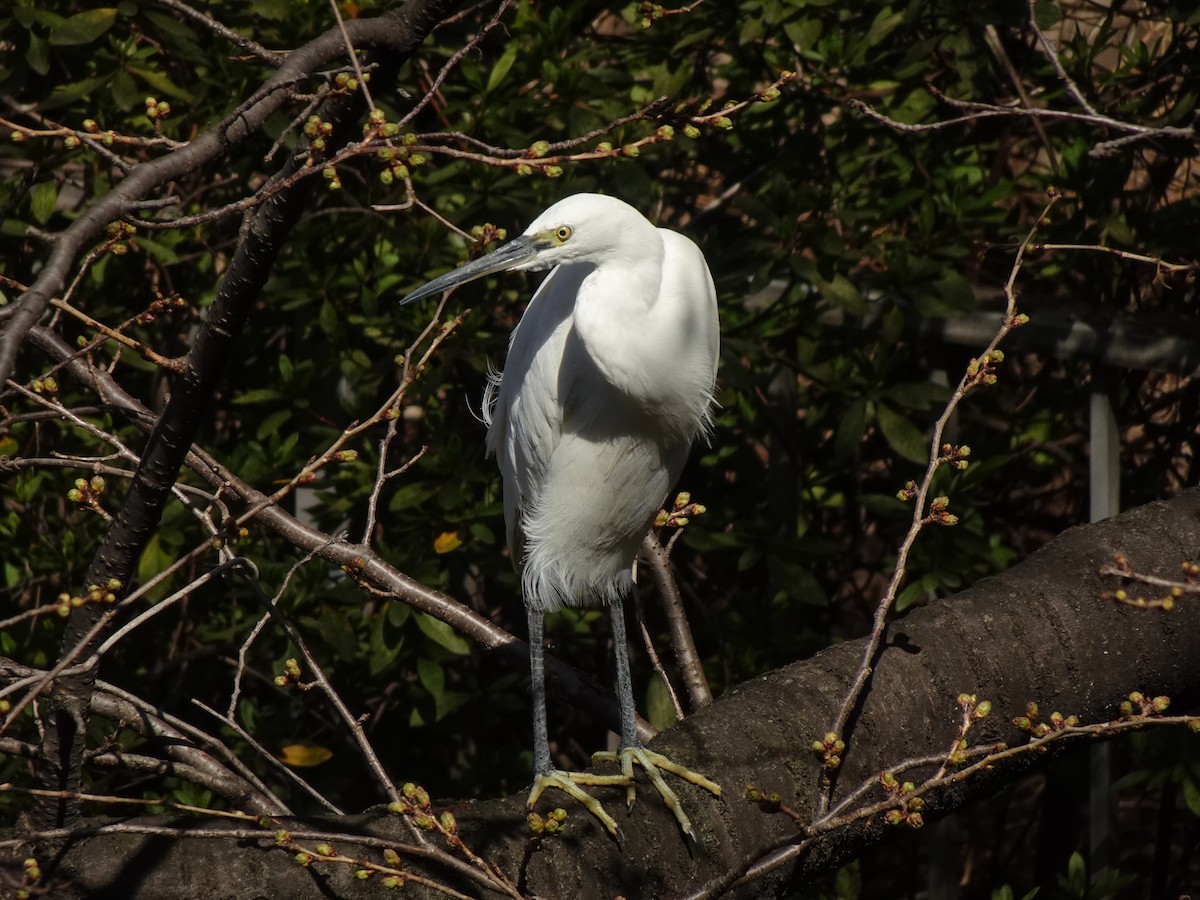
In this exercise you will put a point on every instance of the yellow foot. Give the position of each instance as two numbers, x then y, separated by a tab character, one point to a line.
652	762
568	783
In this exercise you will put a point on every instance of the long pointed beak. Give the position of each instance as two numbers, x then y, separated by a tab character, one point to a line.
508	256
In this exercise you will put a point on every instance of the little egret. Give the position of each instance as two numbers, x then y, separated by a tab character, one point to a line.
609	379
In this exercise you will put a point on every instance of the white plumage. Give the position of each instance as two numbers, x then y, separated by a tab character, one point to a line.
608	381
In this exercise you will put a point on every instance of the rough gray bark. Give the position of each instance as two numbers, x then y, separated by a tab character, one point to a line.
1037	632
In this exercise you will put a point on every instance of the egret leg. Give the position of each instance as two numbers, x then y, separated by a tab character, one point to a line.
544	773
632	750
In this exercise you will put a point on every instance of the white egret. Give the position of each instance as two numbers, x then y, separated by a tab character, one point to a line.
609	379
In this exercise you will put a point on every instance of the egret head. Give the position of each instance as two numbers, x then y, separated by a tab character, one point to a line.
580	228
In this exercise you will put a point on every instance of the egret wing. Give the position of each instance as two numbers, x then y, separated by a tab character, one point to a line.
524	407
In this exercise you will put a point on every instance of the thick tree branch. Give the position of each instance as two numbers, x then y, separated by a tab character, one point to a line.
1037	632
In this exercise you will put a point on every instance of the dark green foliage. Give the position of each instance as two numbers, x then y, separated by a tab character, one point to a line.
832	239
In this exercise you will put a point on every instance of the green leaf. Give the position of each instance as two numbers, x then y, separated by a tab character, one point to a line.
42	198
885	23
154	559
380	654
503	64
432	677
851	429
442	634
257	395
848	883
84	27
162	84
336	630
901	434
1046	13
277	10
38	55
917	394
272	423
69	93
659	708
329	321
398	613
125	90
1191	795
410	495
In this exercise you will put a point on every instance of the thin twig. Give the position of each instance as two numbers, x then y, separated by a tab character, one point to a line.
655	661
353	54
268	757
331	695
682	642
254	632
454	60
1052	54
919	494
270	57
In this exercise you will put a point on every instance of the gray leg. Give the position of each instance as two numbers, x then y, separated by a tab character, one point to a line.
544	773
537	680
632	751
629	737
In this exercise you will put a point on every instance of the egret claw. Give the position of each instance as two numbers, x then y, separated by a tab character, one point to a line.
568	783
651	762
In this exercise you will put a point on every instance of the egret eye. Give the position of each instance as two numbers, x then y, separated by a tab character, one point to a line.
562	232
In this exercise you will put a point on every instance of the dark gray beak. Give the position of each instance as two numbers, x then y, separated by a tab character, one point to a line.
508	256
